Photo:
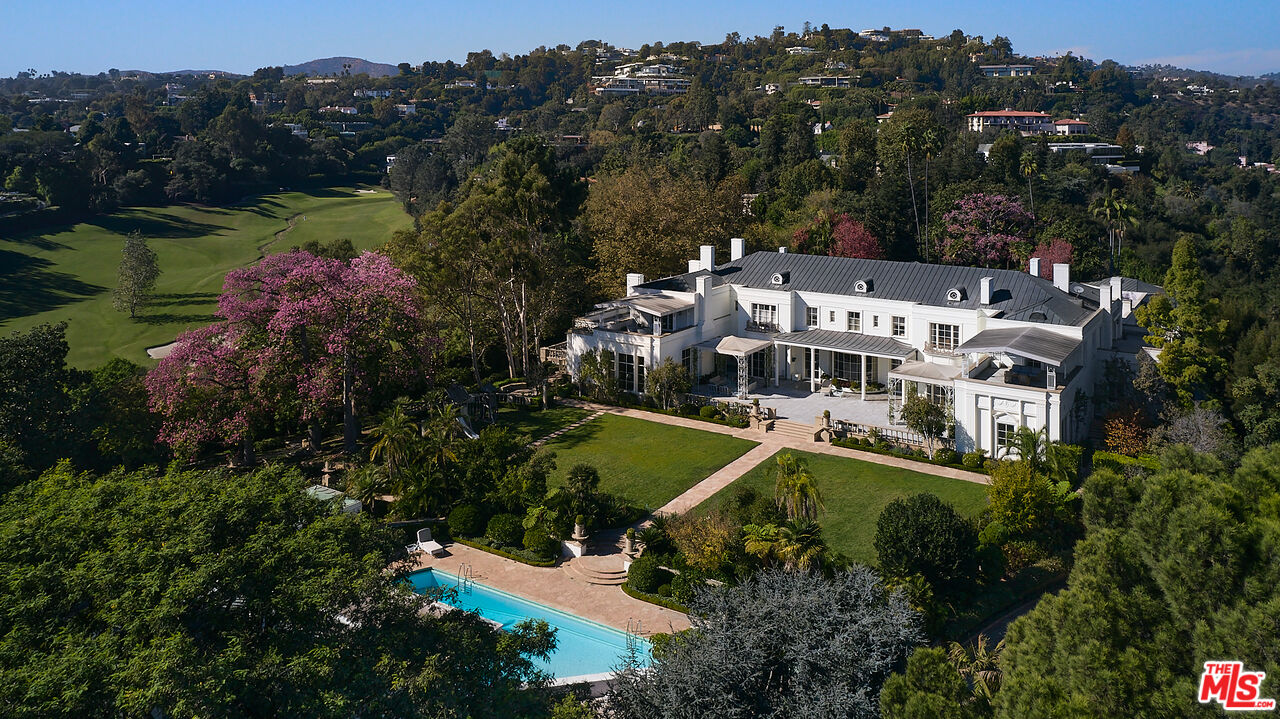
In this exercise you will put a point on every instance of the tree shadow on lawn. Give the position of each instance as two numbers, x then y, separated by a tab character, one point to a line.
154	226
39	240
181	299
28	286
169	318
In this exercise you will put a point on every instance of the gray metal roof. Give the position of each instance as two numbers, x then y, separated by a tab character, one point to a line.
854	342
1018	295
1030	342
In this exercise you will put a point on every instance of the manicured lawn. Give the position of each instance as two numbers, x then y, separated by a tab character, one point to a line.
540	424
646	462
67	273
854	493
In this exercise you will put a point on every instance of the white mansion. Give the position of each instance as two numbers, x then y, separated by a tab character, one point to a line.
1004	349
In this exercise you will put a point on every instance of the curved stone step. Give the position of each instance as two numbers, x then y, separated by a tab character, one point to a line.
597	574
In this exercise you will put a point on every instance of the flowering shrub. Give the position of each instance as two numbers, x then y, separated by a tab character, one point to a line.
986	230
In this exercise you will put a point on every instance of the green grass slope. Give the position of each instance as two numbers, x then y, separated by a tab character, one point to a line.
67	274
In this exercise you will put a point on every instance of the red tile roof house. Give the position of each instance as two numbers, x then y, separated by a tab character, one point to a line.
1070	127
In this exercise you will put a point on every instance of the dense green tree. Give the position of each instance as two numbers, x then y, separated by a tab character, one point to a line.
930	688
35	403
1185	325
668	382
922	535
1174	571
201	594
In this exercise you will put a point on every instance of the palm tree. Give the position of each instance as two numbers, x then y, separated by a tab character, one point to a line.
761	541
367	483
397	440
800	544
1028	167
440	430
796	490
1117	212
980	666
1029	444
930	143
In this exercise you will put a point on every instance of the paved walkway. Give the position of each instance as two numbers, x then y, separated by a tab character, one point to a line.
555	588
722	478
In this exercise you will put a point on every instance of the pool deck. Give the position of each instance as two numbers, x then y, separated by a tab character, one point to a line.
554	587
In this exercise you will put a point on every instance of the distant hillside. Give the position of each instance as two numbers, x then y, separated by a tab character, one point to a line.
334	66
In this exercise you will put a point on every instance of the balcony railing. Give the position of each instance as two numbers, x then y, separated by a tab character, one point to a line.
940	350
769	328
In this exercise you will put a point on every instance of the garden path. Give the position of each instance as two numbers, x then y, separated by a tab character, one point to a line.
562	430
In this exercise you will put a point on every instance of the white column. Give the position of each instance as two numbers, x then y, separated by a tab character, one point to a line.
813	369
864	376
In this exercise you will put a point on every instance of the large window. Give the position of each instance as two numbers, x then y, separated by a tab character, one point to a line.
899	326
640	375
936	393
848	366
758	364
944	337
1004	437
811	317
626	373
764	315
689	358
853	322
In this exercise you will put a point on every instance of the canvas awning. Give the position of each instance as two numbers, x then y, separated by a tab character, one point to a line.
659	304
925	372
736	346
853	342
1030	342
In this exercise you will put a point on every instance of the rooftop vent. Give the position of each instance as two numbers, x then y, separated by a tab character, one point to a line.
1077	289
1038	317
780	278
955	294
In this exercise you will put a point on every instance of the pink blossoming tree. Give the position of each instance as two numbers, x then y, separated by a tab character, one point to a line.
1051	253
316	335
986	230
837	235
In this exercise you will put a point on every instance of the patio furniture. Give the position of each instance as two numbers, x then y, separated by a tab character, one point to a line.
824	388
426	544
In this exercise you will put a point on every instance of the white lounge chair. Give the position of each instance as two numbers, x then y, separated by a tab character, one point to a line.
426	544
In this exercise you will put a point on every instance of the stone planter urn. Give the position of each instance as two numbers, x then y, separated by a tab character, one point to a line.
579	529
629	548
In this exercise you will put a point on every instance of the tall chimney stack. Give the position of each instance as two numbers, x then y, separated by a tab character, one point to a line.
708	257
737	248
1033	266
985	295
1062	276
633	279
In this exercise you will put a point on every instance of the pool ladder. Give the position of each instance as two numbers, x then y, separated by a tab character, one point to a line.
466	578
634	628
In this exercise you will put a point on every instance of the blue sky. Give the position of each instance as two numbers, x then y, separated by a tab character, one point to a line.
1234	37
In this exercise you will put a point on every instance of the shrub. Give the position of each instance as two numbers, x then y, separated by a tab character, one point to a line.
466	521
505	530
646	576
972	460
924	535
1022	554
664	591
689	409
945	456
685	585
537	540
990	465
708	412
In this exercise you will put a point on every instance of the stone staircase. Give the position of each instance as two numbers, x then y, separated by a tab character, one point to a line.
595	569
793	430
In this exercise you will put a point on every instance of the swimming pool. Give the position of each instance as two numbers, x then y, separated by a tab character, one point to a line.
583	647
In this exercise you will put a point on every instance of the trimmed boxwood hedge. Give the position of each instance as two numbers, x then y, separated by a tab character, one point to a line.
654	599
503	553
941	454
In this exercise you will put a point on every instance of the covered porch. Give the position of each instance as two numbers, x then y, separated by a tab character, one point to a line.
828	361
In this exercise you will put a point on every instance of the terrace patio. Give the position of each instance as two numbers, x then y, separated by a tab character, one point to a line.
794	402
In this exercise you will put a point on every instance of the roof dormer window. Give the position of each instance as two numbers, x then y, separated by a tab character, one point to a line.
862	287
780	278
955	294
